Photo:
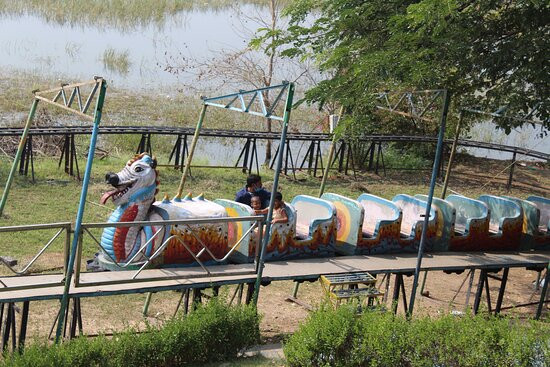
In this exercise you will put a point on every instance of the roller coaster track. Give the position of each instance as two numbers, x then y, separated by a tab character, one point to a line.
219	133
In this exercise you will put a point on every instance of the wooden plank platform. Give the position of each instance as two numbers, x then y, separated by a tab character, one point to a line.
310	269
50	286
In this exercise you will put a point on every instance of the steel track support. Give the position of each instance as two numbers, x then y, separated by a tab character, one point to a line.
501	290
18	154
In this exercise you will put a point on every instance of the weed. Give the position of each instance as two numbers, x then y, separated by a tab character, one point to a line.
341	338
116	61
214	332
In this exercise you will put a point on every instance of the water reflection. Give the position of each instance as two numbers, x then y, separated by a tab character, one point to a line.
80	48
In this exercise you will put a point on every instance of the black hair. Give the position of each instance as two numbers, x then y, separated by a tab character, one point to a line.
255	196
252	179
278	196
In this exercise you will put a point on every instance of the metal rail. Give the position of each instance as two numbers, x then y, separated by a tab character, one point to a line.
185	222
61	227
244	134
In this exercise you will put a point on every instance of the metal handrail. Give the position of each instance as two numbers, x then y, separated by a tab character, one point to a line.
161	249
187	223
251	218
24	270
195	256
32	227
63	227
205	248
127	263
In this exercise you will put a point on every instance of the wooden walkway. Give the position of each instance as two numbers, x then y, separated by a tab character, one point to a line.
42	287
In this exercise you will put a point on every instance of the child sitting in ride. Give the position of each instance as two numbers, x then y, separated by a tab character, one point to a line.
279	212
256	204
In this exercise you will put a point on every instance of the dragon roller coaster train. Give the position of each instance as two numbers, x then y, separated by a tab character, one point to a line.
317	227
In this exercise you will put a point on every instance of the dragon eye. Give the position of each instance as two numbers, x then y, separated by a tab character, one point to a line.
138	169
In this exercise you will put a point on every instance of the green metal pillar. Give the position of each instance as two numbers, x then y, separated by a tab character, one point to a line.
438	153
267	234
81	207
191	151
447	175
18	155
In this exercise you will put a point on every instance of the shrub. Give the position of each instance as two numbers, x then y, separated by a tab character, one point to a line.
212	333
341	338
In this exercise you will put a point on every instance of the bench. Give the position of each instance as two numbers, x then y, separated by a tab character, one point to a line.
312	214
378	213
505	222
413	210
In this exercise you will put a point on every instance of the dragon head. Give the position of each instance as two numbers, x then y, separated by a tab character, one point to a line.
137	181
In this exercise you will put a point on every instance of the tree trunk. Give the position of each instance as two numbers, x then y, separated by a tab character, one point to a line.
267	81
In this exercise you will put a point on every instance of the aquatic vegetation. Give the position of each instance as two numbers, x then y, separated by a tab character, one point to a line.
116	61
72	50
120	14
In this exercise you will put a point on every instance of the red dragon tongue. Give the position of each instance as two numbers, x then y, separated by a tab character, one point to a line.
106	196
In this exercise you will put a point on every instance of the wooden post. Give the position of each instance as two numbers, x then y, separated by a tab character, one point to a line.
20	148
543	293
330	155
191	151
479	291
23	326
452	156
511	176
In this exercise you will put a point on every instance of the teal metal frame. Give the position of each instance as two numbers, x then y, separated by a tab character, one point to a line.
245	101
405	105
439	150
67	100
81	206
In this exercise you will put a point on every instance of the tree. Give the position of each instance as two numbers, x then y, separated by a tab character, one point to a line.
489	53
256	66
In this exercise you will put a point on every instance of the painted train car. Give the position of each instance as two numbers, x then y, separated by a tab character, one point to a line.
316	227
335	224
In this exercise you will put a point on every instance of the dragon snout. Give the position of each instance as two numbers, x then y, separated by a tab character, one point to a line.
112	178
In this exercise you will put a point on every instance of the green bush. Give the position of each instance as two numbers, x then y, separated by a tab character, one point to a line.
214	332
341	338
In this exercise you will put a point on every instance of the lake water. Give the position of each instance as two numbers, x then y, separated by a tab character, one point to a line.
524	137
30	42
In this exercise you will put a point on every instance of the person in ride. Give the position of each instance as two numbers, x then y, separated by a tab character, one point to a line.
256	204
253	187
279	212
